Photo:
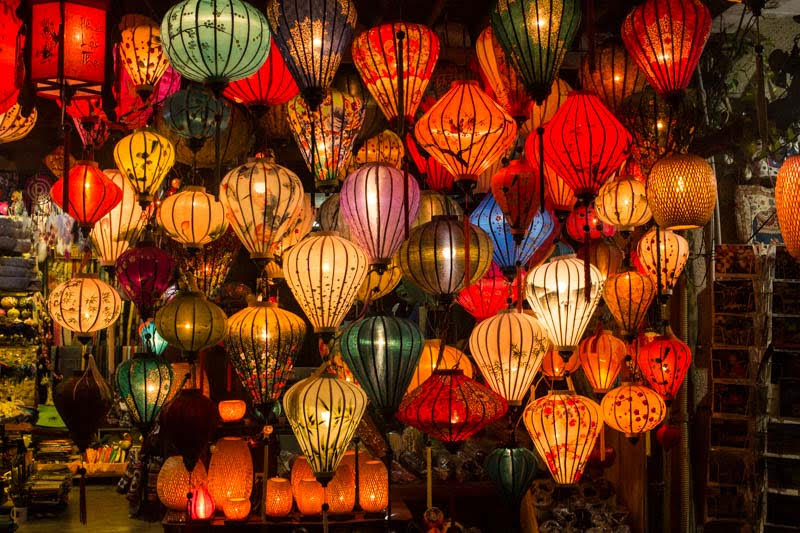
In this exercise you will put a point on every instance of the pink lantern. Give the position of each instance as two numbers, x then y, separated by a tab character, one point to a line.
144	272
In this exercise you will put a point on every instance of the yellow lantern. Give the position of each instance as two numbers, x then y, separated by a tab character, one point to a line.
119	229
84	305
340	494
432	204
541	114
452	358
190	322
141	53
787	200
601	355
14	126
174	482
379	284
373	493
633	409
385	148
603	254
144	157
192	217
278	500
508	349
628	296
623	204
674	252
324	272
230	472
682	192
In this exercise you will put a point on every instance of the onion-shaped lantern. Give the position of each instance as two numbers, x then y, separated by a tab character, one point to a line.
633	409
787	200
215	42
604	254
324	413
174	482
210	264
664	362
558	195
263	342
14	126
324	272
508	86
488	295
378	203
602	355
144	382
429	361
382	352
511	470
383	53
120	228
261	199
385	148
378	284
191	323
90	194
271	85
141	52
349	81
192	217
432	203
230	471
144	157
84	305
669	257
188	423
144	272
611	74
583	223
682	192
622	203
82	401
192	114
628	296
564	428
508	349
516	190
666	38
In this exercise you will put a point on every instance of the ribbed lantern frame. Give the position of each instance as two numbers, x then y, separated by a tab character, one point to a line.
602	355
145	158
682	192
674	252
628	296
141	52
611	74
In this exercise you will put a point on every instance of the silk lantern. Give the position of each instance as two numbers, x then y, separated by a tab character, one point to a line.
604	254
144	382
516	190
144	157
377	285
682	192
583	224
432	203
192	217
663	251
14	126
622	203
488	295
195	115
511	470
174	482
11	55
429	361
210	264
201	504
558	195
119	229
90	193
787	198
508	86
230	471
385	148
141	52
664	362
187	424
144	272
84	305
611	74
633	409
349	81
278	500
508	349
555	367
190	322
628	296
270	85
373	491
602	355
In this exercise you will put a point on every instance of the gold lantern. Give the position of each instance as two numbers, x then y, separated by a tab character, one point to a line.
278	500
378	284
340	494
601	355
633	409
673	252
230	472
14	126
554	366
190	322
611	74
84	305
452	358
623	204
192	217
508	349
141	53
236	509
119	229
432	204
682	192
628	296
144	157
174	482
564	427
385	148
310	496
324	272
373	491
787	200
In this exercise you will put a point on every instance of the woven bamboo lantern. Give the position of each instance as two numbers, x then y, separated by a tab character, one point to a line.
633	409
174	482
310	497
279	499
236	509
340	493
231	410
628	296
682	192
601	355
787	200
673	254
373	494
230	472
623	204
300	470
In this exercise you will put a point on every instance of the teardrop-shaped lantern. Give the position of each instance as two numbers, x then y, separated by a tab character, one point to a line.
516	191
191	323
682	192
787	202
271	85
623	204
144	382
511	470
508	86
90	194
669	257
188	423
633	409
628	296
144	272
611	74
664	362
141	53
192	217
82	401
602	355
490	294
144	157
84	305
120	228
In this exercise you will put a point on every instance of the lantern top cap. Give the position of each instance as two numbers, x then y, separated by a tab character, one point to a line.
459	83
326	234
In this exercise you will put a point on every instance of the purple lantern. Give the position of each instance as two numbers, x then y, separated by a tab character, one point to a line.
144	272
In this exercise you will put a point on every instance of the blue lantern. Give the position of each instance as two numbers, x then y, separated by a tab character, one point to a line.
511	470
192	114
152	341
144	382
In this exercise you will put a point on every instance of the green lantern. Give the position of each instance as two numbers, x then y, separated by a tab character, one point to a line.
382	352
511	470
536	35
144	383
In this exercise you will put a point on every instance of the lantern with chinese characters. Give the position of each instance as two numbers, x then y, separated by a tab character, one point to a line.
622	203
120	228
666	38
278	500
516	190
84	305
564	427
11	55
144	157
378	202
488	295
682	192
511	470
144	272
190	322
90	194
201	504
508	349
324	412
324	272
230	471
231	410
143	382
373	492
628	296
174	482
385	148
633	409
611	74
271	85
583	224
192	217
508	86
601	356
787	200
187	423
466	131
215	42
663	251
378	284
14	126
384	53
194	113
141	52
664	362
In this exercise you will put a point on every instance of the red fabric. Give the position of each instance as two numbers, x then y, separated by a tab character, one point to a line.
582	215
664	362
272	84
488	295
91	194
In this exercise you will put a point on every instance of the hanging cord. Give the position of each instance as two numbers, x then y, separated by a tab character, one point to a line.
540	135
217	141
313	157
587	268
659	283
761	101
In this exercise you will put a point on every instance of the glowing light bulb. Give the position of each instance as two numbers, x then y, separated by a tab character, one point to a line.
325	418
259	187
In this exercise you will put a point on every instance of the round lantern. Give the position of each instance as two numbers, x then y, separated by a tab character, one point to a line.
378	203
432	203
664	362
787	200
271	85
194	114
378	284
602	355
215	42
174	482
230	471
190	322
382	352
435	257
324	272
451	358
488	295
554	366
278	501
236	509
329	216
633	409
188	423
622	203
312	37
682	192
373	487
90	194
231	410
628	296
310	497
669	257
14	126
604	254
384	53
583	223
340	494
324	412
611	74
262	343
511	470
141	53
11	58
210	264
666	38
143	382
84	305
120	228
516	190
557	293
144	272
508	86
144	157
201	504
466	131
83	400
564	427
385	148
508	349
192	217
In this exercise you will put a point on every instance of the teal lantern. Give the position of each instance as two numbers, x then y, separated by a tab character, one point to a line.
144	382
215	41
152	341
192	114
511	470
382	352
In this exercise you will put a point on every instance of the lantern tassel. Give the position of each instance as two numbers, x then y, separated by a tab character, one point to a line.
82	472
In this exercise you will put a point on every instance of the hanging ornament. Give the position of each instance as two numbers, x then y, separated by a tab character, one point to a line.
508	86
516	190
490	294
144	157
120	228
628	296
84	305
91	194
601	355
192	217
144	272
271	85
195	114
144	382
611	74
201	504
787	200
584	216
664	362
191	323
14	126
511	470
668	436
432	203
633	409
682	192
622	203
141	53
670	259
429	361
188	423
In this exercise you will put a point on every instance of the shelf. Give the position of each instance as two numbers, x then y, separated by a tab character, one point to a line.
783	420
783	491
780	526
732	381
730	416
773	455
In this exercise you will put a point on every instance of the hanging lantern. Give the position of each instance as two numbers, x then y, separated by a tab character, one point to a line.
611	74
120	228
324	413
271	85
194	114
91	195
508	349
628	296
451	407
787	187
262	343
230	472
84	305
231	410
382	352
188	423
334	125
542	113
556	292
210	264
278	500
152	341
682	192
623	204
174	482
68	47
215	42
144	157
466	131
564	427
82	401
385	148
330	217
191	323
516	190
192	217
431	204
670	259
508	86
324	272
377	285
664	362
511	470
536	35
141	53
554	366
558	195
666	38
633	409
14	126
490	294
143	382
349	81
378	202
452	358
601	355
604	254
434	256
144	272
373	492
385	53
583	216
260	199
11	55
201	504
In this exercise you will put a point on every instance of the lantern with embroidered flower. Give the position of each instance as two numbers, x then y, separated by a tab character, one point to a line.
633	409
84	305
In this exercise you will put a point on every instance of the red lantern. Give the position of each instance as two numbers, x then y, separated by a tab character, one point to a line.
666	38
91	194
144	272
201	504
188	423
451	407
516	190
489	295
74	56
272	84
11	45
664	362
582	216
90	120
437	177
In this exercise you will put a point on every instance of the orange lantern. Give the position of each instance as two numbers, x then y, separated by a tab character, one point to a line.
87	195
554	367
340	494
452	358
300	470
611	74
310	496
628	296
174	482
201	505
508	86
557	193
622	203
230	472
231	410
633	409
236	509
787	202
669	256
603	254
542	113
601	355
373	493
278	500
